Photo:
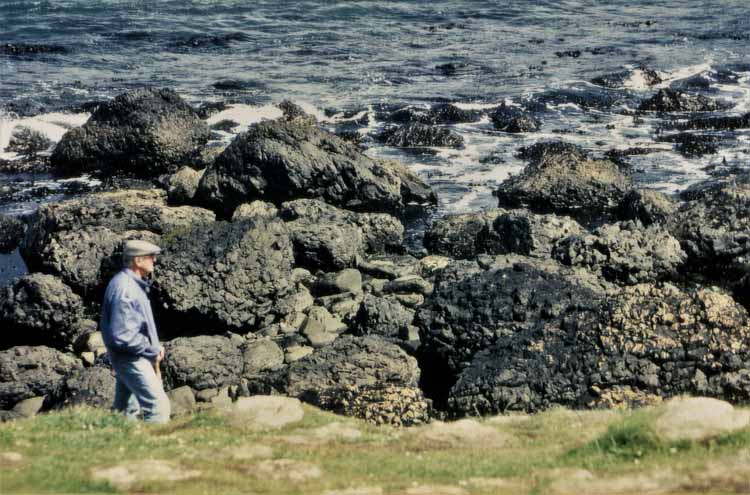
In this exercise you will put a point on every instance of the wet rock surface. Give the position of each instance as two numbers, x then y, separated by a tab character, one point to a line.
225	275
203	362
11	233
27	372
670	100
421	135
39	309
513	120
281	160
144	132
624	252
561	178
648	342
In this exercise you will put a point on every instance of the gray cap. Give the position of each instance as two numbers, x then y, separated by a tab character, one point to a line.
132	249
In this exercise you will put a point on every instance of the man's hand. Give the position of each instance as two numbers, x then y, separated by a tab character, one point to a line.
158	361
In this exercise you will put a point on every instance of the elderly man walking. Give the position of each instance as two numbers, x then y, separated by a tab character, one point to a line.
129	333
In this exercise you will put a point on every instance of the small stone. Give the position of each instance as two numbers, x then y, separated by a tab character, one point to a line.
410	300
206	395
411	284
10	458
29	407
295	353
88	357
347	280
182	400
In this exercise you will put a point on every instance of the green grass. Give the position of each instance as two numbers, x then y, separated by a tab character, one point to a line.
60	449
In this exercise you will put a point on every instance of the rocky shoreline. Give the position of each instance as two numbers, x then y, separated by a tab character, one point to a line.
284	272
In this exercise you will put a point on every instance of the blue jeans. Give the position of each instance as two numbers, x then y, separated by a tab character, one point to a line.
138	388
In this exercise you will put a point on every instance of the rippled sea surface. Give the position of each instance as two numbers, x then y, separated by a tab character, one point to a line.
366	56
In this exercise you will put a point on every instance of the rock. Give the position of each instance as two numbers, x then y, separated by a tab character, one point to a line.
144	132
94	386
347	362
256	209
119	211
464	433
265	412
419	135
390	405
23	49
11	233
561	178
279	161
182	401
286	470
295	353
348	280
639	77
320	327
203	362
261	355
670	100
692	144
513	120
462	236
125	475
292	111
27	372
39	309
29	407
182	185
231	276
728	123
699	418
443	113
649	342
412	284
382	316
647	206
624	252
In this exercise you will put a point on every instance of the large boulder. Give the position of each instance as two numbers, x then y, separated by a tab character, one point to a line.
498	231
27	372
644	344
94	386
624	252
11	233
513	120
357	362
330	238
145	132
119	211
202	362
39	309
713	228
225	276
282	160
562	178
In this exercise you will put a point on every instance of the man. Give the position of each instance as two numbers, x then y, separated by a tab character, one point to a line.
129	333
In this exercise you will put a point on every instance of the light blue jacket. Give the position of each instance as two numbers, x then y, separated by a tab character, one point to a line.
127	323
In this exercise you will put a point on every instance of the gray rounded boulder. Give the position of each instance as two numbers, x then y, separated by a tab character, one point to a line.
202	362
144	132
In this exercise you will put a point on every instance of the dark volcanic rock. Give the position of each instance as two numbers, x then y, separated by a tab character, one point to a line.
598	98
93	387
690	144
348	362
561	178
647	206
281	160
39	309
649	342
624	252
719	123
443	113
27	372
420	135
182	185
383	316
498	231
330	238
118	211
203	362
11	233
514	120
669	100
225	275
145	132
620	79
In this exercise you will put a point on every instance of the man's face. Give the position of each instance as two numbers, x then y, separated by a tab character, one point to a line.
145	263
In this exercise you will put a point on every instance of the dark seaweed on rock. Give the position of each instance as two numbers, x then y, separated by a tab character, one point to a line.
670	100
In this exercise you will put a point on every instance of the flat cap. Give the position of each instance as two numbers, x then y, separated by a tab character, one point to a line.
139	248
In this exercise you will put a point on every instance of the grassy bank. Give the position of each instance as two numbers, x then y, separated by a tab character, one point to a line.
559	451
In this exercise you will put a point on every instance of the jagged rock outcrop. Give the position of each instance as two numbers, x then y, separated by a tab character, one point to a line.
202	362
144	132
646	343
419	135
498	231
513	120
561	178
670	100
118	211
27	372
225	275
624	252
39	309
280	160
647	206
11	233
182	185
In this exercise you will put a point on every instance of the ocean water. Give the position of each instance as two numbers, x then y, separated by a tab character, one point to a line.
347	61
